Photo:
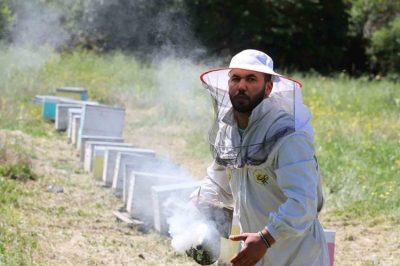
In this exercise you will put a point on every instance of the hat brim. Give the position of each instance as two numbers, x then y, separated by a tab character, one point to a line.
225	71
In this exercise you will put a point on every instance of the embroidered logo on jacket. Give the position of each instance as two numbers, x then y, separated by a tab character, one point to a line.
261	176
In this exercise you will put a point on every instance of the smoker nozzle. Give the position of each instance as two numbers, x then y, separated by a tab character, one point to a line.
204	254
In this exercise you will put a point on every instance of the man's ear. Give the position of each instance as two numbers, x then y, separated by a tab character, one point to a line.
268	88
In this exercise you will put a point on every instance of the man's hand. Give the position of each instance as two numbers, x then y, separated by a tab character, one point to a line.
252	251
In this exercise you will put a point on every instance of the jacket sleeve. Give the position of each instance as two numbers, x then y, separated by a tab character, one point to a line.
215	187
297	176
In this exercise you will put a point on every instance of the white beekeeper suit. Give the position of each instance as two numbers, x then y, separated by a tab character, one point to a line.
269	173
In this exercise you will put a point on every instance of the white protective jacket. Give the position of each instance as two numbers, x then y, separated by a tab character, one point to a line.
283	194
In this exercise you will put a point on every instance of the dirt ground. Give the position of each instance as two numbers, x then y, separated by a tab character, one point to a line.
77	227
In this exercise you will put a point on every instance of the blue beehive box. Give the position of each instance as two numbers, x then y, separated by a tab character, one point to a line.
49	104
73	93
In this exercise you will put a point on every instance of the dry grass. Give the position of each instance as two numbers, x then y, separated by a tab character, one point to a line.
77	227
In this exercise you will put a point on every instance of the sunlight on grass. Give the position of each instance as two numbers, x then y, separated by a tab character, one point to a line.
358	142
356	121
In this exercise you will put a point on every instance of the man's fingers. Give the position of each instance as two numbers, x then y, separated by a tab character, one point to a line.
238	237
237	259
241	259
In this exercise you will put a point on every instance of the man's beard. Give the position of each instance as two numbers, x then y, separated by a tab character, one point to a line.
243	104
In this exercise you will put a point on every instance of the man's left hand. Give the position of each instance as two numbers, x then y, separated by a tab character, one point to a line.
252	251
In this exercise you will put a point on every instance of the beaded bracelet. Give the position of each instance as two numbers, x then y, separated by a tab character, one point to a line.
264	239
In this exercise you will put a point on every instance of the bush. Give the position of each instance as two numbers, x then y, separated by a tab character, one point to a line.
15	163
377	24
19	171
385	48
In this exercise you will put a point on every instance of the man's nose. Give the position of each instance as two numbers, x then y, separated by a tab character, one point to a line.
242	85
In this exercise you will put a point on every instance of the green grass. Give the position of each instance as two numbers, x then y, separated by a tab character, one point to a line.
356	121
357	127
16	244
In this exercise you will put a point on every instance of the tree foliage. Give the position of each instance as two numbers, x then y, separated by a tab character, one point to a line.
300	33
385	48
377	24
5	17
139	25
324	35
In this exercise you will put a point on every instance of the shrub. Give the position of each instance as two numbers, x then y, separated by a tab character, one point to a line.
385	48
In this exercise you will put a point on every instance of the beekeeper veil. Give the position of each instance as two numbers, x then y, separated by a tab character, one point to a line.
278	115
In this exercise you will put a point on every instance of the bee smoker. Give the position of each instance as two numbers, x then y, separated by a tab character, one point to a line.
208	251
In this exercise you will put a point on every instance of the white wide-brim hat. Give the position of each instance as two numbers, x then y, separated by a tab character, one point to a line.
253	60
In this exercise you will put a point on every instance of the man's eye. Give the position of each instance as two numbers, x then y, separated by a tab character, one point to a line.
250	79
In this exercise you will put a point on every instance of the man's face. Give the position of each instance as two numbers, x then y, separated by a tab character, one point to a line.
247	89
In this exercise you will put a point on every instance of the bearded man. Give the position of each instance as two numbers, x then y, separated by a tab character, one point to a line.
265	164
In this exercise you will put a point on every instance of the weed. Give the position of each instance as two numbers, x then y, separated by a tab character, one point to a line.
20	171
15	161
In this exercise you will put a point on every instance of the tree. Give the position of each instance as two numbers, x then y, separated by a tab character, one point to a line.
303	34
376	23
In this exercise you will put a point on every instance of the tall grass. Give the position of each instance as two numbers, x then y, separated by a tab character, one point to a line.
16	244
356	121
357	124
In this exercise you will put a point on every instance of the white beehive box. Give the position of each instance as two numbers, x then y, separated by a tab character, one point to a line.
61	112
89	148
76	123
61	122
166	195
147	165
98	161
71	113
121	162
110	157
102	120
86	138
139	200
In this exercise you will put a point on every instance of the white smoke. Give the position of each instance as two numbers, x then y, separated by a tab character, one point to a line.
37	25
189	228
35	34
180	90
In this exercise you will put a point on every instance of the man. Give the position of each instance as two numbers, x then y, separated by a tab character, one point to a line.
264	163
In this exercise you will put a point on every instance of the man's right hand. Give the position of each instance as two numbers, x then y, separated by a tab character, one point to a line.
252	251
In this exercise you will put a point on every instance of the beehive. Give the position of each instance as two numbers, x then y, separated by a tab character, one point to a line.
76	124
139	193
61	116
85	138
49	104
62	107
91	144
148	165
102	120
110	157
161	195
71	113
73	93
